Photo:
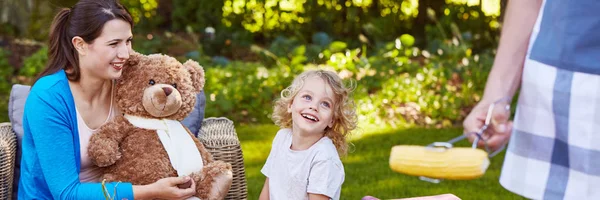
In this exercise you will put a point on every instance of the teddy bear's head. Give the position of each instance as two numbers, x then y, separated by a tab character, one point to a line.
159	86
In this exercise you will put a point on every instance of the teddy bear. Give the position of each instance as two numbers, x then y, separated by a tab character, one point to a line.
147	142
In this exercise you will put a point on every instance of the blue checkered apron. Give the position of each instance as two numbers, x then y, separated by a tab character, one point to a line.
554	150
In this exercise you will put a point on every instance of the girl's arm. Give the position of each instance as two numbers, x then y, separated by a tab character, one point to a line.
436	197
317	197
264	194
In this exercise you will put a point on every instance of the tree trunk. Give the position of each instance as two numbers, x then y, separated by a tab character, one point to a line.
16	13
374	9
422	19
164	11
344	13
503	4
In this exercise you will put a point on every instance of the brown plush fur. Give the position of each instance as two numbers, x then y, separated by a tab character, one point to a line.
131	154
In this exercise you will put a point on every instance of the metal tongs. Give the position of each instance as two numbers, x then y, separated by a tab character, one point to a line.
443	146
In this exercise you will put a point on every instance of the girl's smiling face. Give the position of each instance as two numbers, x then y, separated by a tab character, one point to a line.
312	107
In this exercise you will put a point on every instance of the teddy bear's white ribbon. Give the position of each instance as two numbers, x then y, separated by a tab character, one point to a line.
179	144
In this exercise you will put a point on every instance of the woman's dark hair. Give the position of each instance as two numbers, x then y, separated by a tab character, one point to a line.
86	20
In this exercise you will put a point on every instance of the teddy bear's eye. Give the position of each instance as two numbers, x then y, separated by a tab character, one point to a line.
151	82
175	85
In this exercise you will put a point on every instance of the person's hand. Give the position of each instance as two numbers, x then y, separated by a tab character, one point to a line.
499	130
167	188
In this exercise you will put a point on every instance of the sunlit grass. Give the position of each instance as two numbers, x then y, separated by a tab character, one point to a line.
367	168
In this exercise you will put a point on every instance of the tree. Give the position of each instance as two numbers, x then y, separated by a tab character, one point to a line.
503	4
164	11
422	19
16	13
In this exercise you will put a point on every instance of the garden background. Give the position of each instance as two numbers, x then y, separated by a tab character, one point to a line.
419	65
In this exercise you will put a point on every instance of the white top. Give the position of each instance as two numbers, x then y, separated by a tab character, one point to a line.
178	143
90	172
293	174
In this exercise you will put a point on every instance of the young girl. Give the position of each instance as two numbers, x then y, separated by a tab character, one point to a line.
315	114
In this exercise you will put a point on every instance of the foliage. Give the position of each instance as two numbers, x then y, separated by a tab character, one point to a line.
152	43
367	168
398	84
480	31
196	15
238	24
423	88
144	13
244	92
8	30
34	64
247	66
6	72
272	17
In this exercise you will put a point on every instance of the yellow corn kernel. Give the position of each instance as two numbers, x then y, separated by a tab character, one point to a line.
459	163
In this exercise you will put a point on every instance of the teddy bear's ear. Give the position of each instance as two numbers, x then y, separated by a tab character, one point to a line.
197	74
131	64
134	58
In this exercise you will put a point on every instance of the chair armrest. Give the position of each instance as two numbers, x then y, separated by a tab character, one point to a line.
220	139
8	152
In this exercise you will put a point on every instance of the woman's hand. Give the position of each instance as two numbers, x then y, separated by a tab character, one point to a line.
166	188
498	133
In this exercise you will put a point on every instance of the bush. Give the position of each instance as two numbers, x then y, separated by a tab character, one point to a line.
399	84
244	92
426	89
33	65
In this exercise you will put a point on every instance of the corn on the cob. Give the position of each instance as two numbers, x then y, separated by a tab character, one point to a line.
455	163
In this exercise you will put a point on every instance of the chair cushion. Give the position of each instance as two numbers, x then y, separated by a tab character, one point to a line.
194	120
16	103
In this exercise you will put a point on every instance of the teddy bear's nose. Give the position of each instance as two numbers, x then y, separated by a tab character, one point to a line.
167	90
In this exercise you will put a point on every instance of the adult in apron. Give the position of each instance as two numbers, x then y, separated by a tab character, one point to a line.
549	49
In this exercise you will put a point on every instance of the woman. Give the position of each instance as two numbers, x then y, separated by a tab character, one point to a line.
550	51
89	43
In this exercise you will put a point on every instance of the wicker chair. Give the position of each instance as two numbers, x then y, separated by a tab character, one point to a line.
218	136
8	153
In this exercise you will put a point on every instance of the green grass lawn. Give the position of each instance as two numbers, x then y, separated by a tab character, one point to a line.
367	168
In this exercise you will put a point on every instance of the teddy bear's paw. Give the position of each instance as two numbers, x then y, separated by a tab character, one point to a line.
220	186
103	152
217	164
215	180
106	158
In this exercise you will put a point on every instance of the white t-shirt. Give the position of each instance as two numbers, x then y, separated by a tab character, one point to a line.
293	174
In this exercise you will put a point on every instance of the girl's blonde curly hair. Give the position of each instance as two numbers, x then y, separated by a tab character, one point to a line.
344	111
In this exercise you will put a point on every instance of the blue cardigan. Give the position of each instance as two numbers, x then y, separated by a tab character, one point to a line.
50	161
